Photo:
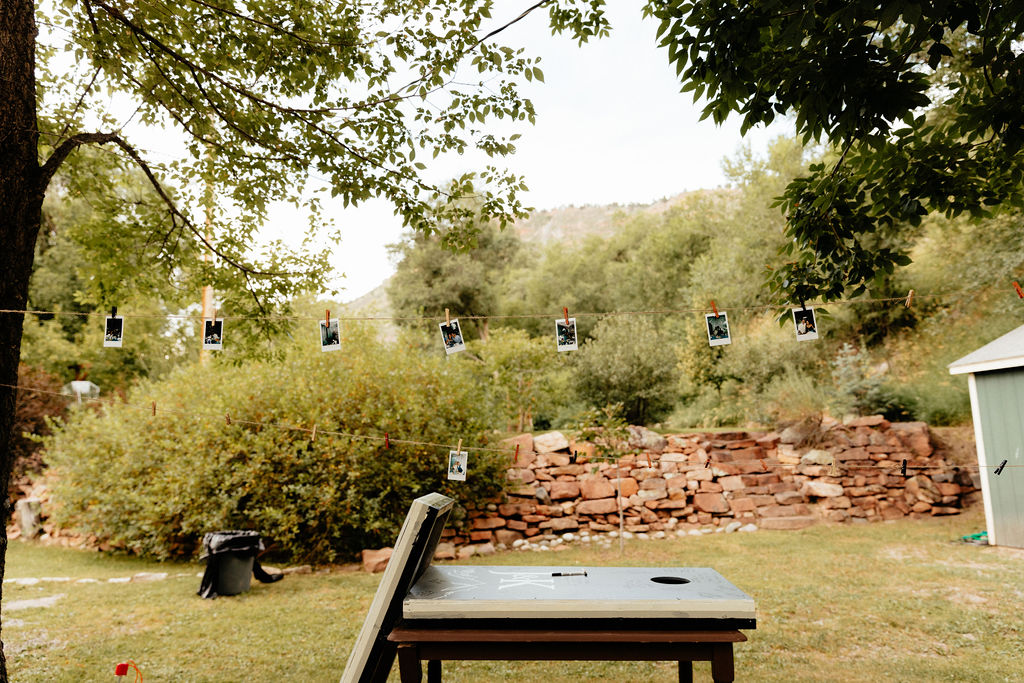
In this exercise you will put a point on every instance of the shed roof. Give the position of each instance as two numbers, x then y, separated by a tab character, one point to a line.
1003	353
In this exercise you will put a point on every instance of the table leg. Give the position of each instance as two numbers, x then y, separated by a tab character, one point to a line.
409	668
685	672
722	670
434	671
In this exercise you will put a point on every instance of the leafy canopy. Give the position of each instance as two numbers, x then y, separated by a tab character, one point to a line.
921	100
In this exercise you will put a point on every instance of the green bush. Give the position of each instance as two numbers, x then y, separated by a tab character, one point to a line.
157	483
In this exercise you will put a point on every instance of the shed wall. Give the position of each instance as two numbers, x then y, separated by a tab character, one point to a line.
1001	413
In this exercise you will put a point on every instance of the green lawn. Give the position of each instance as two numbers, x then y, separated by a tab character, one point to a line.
874	602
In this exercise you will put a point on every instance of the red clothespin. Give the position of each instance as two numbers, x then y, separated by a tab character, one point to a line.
714	308
565	312
764	465
154	408
227	419
387	441
648	459
515	456
1020	292
313	437
447	317
910	297
327	318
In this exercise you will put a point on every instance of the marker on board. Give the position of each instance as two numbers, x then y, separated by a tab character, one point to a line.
568	573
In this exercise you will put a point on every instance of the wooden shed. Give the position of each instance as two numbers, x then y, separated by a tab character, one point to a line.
995	378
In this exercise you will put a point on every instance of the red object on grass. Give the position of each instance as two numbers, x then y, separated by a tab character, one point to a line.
121	669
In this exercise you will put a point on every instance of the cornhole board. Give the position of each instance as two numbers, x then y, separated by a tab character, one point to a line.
482	612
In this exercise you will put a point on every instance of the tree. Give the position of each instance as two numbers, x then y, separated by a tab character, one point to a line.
920	100
267	96
433	273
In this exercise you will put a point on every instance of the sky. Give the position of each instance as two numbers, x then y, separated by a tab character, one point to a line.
612	127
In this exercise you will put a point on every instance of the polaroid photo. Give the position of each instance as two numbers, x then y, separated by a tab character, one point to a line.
330	336
565	335
451	335
113	332
806	326
718	328
458	463
213	334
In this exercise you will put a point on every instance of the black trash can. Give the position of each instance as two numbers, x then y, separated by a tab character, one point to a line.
231	563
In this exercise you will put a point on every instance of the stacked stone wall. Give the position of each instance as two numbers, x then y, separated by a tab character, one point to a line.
705	481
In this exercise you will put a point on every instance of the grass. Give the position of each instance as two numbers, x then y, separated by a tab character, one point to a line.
893	601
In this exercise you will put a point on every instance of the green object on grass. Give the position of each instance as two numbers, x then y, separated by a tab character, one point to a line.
981	537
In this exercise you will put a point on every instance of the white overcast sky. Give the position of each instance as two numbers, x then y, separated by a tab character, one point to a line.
612	127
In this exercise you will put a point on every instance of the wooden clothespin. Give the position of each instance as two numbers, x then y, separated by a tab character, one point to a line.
1020	292
227	419
327	318
910	297
447	317
648	459
214	316
714	308
154	408
833	471
565	312
999	470
313	436
903	468
387	441
764	465
458	449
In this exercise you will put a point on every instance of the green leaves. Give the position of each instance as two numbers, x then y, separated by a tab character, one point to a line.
915	97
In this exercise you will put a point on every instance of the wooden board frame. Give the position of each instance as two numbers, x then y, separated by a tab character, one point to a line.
372	656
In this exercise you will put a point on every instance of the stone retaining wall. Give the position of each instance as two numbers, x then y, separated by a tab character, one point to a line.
685	482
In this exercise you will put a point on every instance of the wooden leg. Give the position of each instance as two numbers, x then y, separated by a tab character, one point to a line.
409	668
434	671
722	670
685	672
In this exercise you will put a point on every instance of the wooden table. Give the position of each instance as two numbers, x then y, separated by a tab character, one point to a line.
436	644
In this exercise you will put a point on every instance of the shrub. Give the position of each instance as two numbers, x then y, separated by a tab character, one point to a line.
157	483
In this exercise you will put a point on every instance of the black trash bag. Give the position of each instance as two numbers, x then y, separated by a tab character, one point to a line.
231	563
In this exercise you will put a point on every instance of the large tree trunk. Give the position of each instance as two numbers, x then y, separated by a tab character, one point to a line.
21	201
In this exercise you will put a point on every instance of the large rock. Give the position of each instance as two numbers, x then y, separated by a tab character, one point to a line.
603	506
561	490
28	512
564	524
550	442
710	502
647	440
822	489
816	457
445	551
786	523
376	560
488	523
526	450
924	489
596	488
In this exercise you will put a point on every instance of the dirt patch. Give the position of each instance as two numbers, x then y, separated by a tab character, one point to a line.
956	444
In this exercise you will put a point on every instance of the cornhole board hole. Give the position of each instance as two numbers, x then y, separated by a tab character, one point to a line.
546	613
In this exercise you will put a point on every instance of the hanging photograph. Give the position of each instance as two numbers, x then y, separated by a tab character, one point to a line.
565	334
806	326
458	462
330	335
213	334
113	331
718	328
451	334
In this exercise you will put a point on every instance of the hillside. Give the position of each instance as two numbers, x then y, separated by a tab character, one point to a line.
566	224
